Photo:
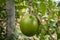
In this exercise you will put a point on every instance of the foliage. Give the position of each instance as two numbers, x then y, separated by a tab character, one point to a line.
2	20
47	11
2	31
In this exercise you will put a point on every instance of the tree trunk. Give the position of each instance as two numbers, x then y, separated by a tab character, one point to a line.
10	22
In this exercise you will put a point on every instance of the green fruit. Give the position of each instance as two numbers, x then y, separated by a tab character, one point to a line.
29	25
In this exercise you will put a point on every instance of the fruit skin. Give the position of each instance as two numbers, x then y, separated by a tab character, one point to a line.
29	25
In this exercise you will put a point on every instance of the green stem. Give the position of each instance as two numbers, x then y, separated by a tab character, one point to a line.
58	36
58	31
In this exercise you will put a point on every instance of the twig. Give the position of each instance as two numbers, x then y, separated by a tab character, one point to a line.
46	29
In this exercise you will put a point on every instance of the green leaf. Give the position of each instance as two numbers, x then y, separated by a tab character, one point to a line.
59	14
46	37
42	8
50	3
58	4
42	0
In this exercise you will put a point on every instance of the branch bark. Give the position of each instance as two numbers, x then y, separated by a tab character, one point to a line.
10	22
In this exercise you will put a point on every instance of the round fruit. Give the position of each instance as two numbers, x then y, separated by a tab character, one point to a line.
29	25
